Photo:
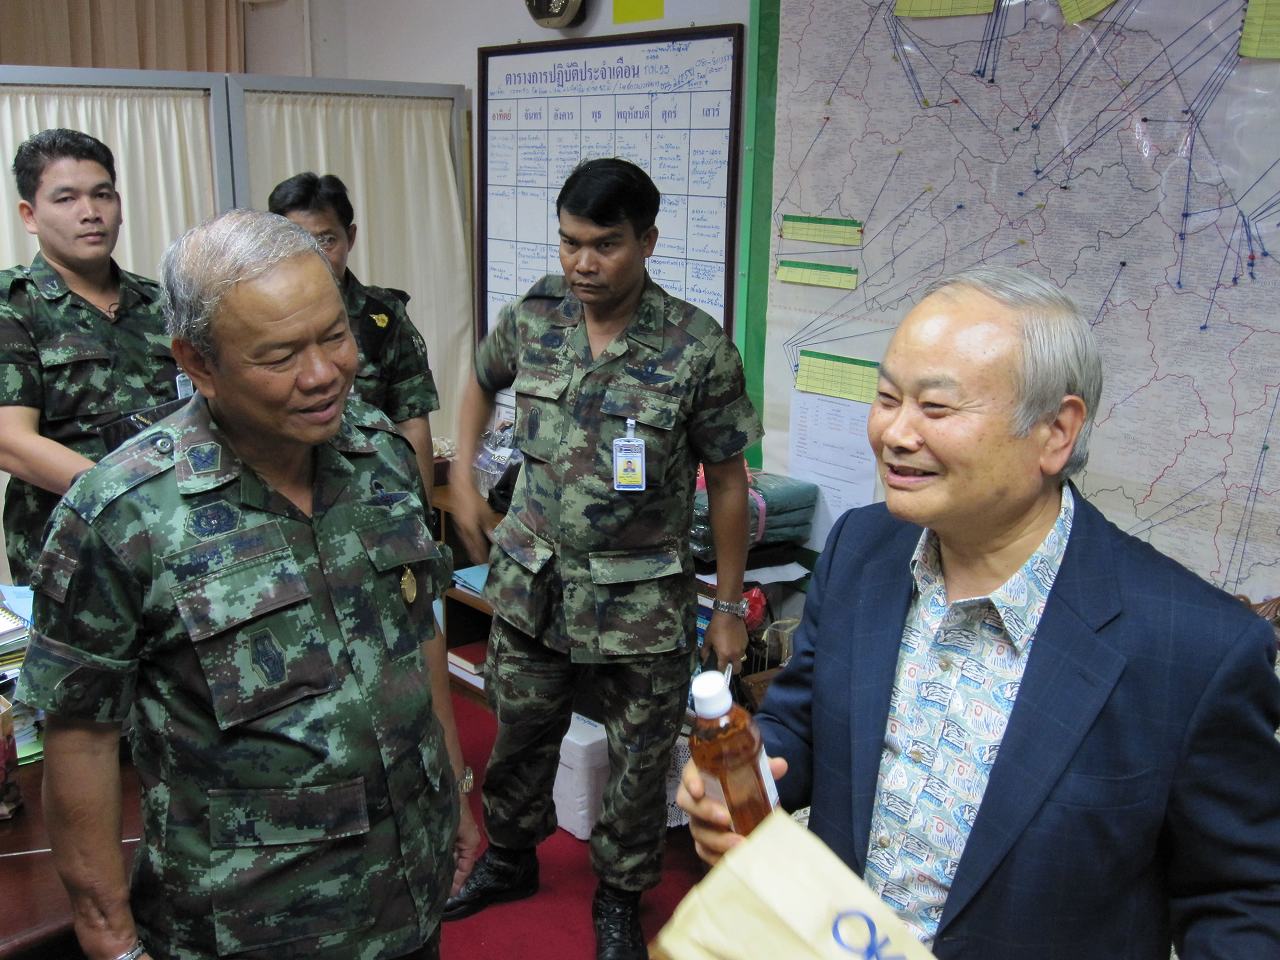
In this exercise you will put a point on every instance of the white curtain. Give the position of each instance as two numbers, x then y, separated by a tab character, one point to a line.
393	155
164	167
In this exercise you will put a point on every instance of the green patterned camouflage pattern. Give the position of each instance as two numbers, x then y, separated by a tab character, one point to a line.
80	369
297	796
393	374
621	560
642	700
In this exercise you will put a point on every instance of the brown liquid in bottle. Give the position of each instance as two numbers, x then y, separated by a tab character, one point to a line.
727	749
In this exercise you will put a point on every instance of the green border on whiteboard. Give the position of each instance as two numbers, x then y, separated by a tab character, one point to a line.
756	196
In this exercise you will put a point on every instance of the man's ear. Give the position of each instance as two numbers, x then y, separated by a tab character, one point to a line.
196	366
27	212
351	238
1060	438
649	240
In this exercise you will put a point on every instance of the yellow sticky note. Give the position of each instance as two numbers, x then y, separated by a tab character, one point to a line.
817	274
631	11
1073	11
1261	36
942	8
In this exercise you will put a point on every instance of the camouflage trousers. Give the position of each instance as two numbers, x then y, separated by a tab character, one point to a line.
642	700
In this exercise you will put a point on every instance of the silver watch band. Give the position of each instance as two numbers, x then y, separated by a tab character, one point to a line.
134	952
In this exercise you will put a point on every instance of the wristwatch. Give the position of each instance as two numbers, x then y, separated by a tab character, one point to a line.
738	608
466	780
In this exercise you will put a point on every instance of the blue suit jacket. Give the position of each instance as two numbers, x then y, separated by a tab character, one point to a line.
1135	799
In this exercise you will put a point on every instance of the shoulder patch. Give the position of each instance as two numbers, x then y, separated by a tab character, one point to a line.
136	462
694	321
368	416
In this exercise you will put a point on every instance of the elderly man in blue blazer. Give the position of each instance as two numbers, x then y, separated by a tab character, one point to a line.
1034	736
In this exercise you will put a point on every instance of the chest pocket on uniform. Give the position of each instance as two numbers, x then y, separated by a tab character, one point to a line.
408	565
539	412
243	600
77	380
655	414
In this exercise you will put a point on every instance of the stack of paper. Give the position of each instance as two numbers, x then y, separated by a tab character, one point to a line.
472	578
15	614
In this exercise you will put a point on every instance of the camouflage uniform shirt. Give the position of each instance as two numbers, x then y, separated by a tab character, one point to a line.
80	368
620	561
393	374
297	796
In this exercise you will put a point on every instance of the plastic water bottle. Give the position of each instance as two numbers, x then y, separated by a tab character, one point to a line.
728	752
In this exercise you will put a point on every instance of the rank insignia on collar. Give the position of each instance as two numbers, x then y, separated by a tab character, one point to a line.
205	457
381	319
213	520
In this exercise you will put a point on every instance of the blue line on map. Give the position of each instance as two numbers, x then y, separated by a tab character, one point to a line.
866	242
1186	202
783	196
1159	523
1149	521
942	76
1102	306
1213	293
900	54
1090	46
1251	502
1164	79
893	166
871	19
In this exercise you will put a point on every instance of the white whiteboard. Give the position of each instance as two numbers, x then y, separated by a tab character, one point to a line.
667	102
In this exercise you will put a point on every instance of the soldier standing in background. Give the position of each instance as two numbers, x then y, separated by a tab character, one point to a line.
393	373
84	344
591	578
253	578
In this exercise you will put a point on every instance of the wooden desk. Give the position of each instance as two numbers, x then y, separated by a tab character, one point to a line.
35	914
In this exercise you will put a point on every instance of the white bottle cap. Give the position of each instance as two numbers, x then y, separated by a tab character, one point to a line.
711	696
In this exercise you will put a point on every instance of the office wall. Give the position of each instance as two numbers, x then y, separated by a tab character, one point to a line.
428	40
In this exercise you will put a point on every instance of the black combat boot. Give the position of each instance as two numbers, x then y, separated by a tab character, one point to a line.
499	876
616	914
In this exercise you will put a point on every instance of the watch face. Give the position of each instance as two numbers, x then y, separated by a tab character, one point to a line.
556	13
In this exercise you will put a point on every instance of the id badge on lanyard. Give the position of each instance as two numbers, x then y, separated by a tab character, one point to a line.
628	460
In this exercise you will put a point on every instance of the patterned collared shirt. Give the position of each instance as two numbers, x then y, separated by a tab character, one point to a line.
959	668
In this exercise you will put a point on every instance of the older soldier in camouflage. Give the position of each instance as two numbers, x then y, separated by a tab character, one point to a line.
84	343
592	585
393	374
253	578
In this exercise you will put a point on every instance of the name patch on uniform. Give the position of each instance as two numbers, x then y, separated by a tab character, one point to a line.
205	457
213	520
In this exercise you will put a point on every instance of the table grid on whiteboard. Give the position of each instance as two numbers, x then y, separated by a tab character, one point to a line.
539	126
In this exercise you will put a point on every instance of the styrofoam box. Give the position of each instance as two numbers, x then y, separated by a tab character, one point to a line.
584	768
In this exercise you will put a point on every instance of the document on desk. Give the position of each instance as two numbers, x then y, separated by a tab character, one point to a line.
829	447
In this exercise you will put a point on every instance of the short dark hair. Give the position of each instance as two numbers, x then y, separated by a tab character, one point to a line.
608	191
43	148
313	193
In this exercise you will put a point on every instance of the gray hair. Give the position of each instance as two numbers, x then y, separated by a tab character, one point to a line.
1059	353
202	265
